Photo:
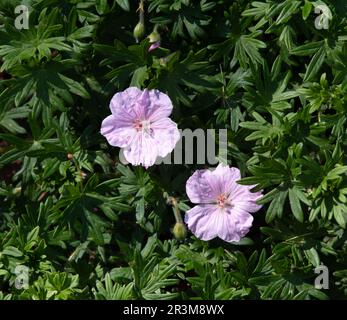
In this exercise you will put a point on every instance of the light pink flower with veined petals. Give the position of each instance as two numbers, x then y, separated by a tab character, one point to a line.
223	206
140	124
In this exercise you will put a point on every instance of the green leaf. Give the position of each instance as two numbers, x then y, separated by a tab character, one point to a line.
276	206
75	87
307	49
295	204
101	6
139	77
124	4
81	33
244	242
315	64
306	9
12	251
340	216
313	257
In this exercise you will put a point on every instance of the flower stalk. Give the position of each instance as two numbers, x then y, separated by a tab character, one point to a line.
139	30
179	230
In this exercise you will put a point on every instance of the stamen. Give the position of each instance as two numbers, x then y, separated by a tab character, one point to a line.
142	125
221	200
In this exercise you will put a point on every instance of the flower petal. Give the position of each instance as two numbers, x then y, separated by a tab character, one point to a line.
227	178
117	133
142	150
241	220
197	220
242	198
125	105
209	221
160	106
201	187
166	135
154	46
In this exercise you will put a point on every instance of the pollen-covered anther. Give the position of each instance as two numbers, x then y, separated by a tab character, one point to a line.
221	200
144	125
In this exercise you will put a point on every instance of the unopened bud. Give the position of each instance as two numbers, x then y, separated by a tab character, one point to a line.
154	37
180	231
154	40
17	190
139	31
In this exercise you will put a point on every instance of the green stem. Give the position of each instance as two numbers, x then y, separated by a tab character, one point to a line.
176	211
141	9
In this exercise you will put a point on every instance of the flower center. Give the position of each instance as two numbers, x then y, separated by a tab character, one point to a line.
221	200
143	125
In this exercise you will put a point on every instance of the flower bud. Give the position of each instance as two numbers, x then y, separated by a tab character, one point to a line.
154	37
17	190
139	31
154	46
179	231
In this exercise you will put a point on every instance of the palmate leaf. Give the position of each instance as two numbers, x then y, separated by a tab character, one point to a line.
8	119
25	49
106	290
46	82
22	147
246	49
192	72
274	13
186	17
270	89
244	45
135	59
77	205
54	286
152	275
34	43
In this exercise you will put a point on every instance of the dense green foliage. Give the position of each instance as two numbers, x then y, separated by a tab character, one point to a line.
89	227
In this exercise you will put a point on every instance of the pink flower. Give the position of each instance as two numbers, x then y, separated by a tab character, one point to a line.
223	205
154	46
140	124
